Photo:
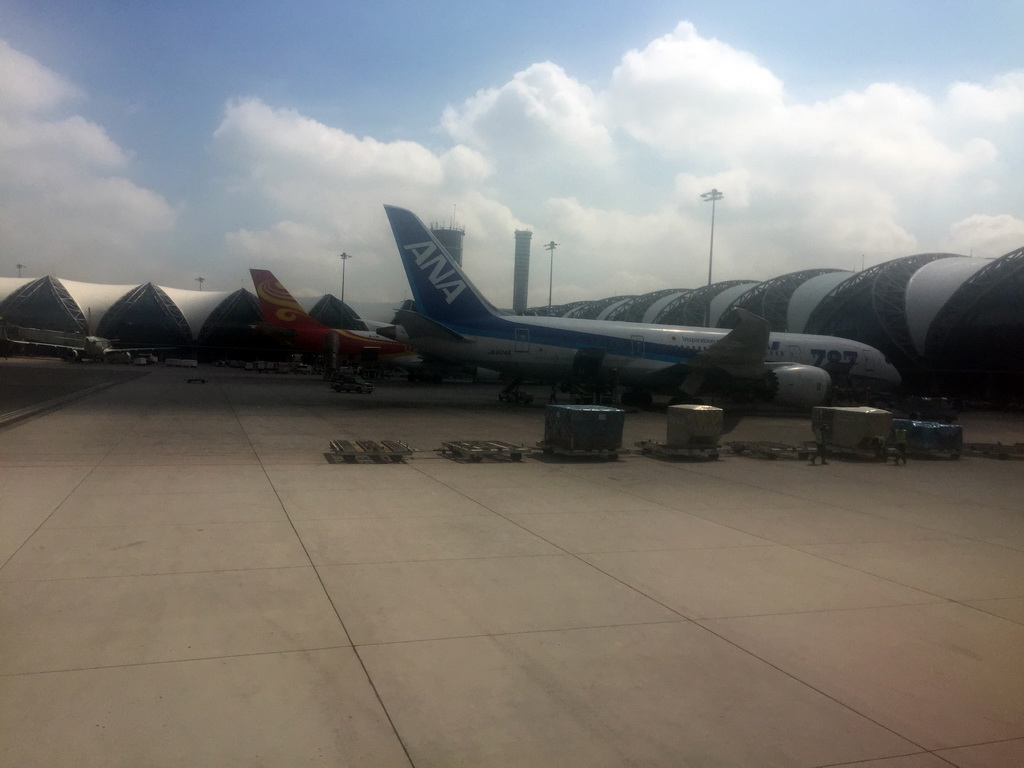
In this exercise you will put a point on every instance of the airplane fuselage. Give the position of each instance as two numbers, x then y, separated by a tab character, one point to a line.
546	348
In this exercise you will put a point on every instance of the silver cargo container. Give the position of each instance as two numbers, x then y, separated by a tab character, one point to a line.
694	426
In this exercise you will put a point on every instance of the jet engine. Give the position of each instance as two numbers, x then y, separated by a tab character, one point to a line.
798	386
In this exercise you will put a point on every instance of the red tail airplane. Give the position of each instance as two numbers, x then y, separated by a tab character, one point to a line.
290	323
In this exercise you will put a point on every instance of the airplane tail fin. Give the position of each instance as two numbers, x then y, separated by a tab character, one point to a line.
440	288
278	306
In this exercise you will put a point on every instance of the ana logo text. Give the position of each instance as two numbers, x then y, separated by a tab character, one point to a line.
432	261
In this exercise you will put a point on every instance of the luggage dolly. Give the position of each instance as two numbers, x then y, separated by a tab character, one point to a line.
652	448
475	450
769	450
353	450
598	453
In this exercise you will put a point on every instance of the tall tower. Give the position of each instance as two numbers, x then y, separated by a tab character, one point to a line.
450	236
521	272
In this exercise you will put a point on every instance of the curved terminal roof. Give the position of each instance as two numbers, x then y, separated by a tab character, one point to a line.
593	310
808	296
725	299
94	299
771	299
693	308
661	302
333	313
982	324
871	307
195	306
44	303
9	285
632	309
930	288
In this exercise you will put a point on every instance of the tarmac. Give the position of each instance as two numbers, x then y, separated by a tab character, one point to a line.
188	580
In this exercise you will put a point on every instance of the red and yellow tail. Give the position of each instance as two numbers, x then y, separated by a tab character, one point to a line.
278	306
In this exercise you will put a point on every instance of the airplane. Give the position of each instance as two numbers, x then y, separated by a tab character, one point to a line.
287	321
72	347
455	322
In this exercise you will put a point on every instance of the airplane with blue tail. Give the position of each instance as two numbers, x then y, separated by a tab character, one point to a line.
454	321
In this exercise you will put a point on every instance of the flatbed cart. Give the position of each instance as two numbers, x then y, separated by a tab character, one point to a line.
476	450
995	450
352	451
763	449
595	453
665	450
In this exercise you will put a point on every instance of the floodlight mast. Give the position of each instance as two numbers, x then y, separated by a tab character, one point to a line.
344	258
713	196
550	247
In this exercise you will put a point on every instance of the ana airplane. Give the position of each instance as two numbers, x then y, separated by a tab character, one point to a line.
287	321
455	322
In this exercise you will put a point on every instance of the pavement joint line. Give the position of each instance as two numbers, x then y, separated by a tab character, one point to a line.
37	409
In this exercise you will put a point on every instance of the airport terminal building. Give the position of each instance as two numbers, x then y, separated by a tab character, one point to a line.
950	323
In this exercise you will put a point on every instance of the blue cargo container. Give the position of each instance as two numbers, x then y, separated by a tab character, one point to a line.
930	437
583	427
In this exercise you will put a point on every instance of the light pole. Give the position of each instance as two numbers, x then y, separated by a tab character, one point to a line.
344	257
714	195
550	247
200	280
20	267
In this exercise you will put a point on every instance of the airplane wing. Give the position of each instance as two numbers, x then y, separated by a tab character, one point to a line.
740	353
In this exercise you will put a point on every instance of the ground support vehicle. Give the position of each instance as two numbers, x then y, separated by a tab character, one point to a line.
514	394
351	451
475	450
347	382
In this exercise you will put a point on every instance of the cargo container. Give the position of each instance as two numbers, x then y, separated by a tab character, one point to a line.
583	428
930	437
693	431
855	429
693	426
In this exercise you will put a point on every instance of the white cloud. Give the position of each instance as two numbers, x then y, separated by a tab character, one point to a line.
986	236
998	102
27	87
612	170
683	92
64	208
541	112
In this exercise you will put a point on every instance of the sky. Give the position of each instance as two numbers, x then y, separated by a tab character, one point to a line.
164	142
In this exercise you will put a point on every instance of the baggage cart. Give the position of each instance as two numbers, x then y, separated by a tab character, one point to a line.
764	449
666	450
476	450
352	451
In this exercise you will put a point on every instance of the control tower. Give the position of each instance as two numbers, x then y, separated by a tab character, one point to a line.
450	236
521	271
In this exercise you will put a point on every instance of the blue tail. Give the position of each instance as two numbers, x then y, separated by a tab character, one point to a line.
439	286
